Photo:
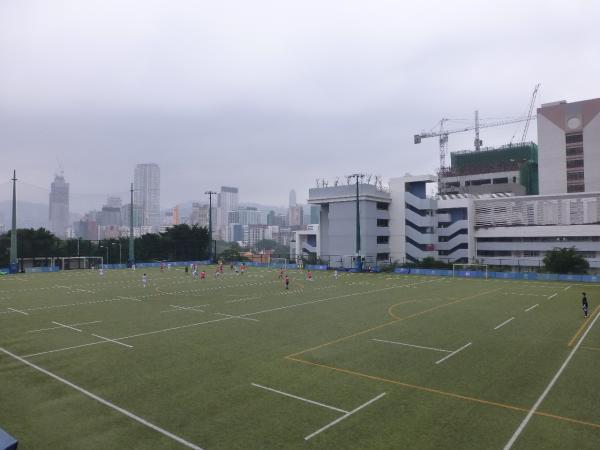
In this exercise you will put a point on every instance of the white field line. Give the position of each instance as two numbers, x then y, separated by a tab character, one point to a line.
411	345
130	298
147	333
184	308
237	300
18	311
111	340
553	295
531	307
453	353
56	328
504	323
67	326
299	398
63	349
345	416
567	288
105	402
539	401
237	317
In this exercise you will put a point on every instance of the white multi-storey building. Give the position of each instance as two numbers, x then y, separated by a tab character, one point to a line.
569	146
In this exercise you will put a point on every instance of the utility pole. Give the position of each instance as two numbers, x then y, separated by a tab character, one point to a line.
357	176
131	258
14	264
210	241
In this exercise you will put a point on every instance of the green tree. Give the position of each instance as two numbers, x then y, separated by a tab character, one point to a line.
565	260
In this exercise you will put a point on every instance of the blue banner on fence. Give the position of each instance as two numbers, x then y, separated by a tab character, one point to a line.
502	275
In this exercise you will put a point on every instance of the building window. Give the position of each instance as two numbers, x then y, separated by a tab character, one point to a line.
575	188
575	151
383	222
383	256
574	163
383	206
574	138
503	180
572	176
383	239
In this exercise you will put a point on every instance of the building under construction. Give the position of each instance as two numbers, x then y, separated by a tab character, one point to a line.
511	169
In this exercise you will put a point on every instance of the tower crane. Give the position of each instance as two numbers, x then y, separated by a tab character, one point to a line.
531	105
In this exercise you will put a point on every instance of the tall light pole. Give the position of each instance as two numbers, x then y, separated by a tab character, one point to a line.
357	176
106	247
131	259
210	242
14	264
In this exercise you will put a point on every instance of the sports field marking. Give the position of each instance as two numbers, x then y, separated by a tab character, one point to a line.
442	393
244	299
237	317
504	323
552	296
345	416
453	353
343	411
112	340
66	326
164	330
104	402
576	335
567	288
130	298
411	345
56	328
184	308
541	398
18	311
396	320
531	307
63	349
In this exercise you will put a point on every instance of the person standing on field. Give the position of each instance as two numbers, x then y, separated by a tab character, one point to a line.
584	305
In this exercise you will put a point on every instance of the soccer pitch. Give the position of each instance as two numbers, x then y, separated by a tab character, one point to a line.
365	361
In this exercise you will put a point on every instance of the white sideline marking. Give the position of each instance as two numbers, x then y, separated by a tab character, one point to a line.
531	307
504	323
237	317
343	417
173	328
64	348
19	311
104	402
66	326
553	295
453	353
539	401
411	345
299	398
567	288
56	328
130	298
184	308
112	340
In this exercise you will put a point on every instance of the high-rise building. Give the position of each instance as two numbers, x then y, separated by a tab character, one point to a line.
147	193
227	200
114	201
569	146
292	198
199	215
59	206
296	216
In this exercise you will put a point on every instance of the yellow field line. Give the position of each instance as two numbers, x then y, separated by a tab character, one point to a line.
591	348
444	393
581	328
396	319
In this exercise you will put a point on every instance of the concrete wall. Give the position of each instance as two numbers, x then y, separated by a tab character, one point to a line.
551	157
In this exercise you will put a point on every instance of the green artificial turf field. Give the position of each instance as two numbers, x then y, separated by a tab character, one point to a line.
365	361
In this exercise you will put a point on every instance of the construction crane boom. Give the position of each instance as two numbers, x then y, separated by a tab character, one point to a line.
442	132
531	105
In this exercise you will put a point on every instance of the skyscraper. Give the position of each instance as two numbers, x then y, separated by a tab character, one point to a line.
59	206
227	200
147	193
292	198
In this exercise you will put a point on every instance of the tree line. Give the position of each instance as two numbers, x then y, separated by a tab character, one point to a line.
178	243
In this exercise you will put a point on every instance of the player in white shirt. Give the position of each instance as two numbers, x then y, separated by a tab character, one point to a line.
144	280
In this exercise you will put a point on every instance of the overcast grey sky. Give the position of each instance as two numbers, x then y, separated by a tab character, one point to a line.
269	95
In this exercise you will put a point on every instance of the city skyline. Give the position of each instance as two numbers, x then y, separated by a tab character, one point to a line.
309	95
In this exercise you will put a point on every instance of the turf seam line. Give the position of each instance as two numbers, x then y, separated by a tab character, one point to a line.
541	398
104	402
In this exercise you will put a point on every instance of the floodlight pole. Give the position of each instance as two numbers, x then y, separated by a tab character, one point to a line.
131	258
357	176
210	244
14	264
